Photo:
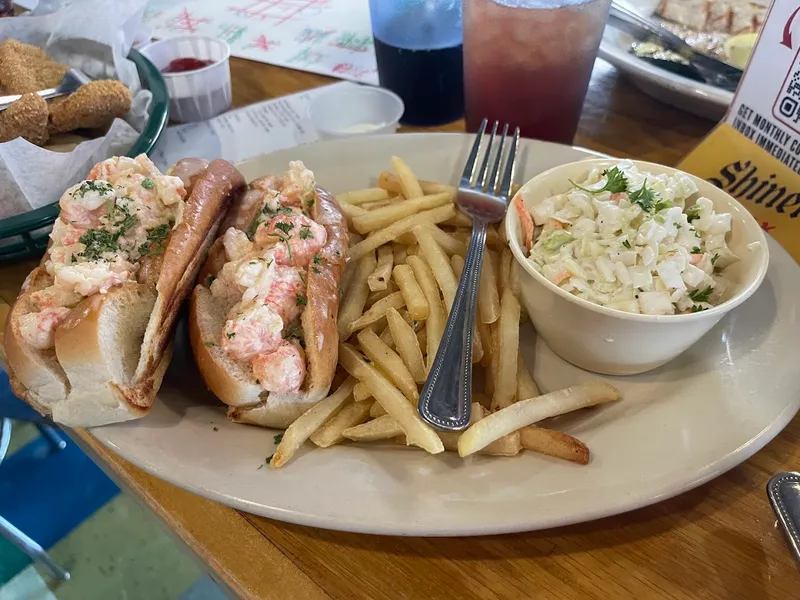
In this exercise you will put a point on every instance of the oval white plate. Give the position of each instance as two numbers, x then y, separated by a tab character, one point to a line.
676	427
697	98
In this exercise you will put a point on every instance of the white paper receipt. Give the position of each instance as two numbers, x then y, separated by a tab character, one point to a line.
243	133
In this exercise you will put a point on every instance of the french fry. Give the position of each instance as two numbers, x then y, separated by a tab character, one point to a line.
459	219
501	232
311	420
386	336
406	345
379	278
390	182
388	234
485	332
514	283
403	276
350	212
377	411
392	400
532	410
492	239
389	362
409	185
373	297
439	264
434	324
352	303
506	260
554	443
400	252
373	206
488	296
377	311
526	386
385	216
508	445
505	380
330	433
382	428
477	345
358	197
495	329
422	341
361	393
451	245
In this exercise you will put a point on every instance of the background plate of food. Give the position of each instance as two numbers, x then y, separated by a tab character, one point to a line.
657	434
121	107
725	29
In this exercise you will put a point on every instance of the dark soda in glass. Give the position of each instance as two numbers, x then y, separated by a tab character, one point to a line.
418	48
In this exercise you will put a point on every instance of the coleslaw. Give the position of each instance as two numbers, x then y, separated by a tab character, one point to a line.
632	241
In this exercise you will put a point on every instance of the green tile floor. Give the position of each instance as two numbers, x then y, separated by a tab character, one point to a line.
121	552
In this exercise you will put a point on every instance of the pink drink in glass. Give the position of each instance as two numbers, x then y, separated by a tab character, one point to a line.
528	62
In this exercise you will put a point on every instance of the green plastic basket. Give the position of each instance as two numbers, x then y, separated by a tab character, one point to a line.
26	235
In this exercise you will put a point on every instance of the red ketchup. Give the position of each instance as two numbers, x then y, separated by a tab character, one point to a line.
182	65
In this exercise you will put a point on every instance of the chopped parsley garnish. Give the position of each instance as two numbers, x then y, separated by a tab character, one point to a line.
309	203
98	242
616	182
101	187
692	213
714	258
663	205
300	300
155	241
210	279
148	183
294	332
269	458
74	258
284	226
696	308
231	335
285	240
209	344
317	259
316	270
277	439
258	382
305	232
701	296
627	244
696	250
271	212
644	197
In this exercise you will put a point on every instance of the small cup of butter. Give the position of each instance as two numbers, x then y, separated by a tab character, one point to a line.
355	110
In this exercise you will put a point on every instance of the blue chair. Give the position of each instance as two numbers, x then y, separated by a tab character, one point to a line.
12	408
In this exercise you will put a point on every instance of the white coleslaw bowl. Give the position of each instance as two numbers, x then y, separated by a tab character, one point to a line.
611	341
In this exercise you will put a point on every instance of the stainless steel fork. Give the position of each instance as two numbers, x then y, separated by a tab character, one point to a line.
446	398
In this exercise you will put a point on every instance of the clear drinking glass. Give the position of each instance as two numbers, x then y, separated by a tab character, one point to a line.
528	62
418	47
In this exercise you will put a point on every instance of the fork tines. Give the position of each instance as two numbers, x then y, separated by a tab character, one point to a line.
489	180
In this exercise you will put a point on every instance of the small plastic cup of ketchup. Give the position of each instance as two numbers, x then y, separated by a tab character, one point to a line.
197	73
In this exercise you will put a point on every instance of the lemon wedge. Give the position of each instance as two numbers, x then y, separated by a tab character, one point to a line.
738	48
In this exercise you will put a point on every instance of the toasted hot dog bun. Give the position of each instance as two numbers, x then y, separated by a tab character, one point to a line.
112	349
231	381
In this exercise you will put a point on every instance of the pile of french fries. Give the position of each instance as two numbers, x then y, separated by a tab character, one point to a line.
408	242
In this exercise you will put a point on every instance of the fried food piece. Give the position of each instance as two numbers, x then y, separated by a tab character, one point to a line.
27	118
25	68
93	106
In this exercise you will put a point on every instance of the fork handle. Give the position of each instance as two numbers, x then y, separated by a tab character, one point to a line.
446	398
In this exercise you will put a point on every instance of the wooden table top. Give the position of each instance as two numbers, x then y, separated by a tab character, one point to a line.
719	541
